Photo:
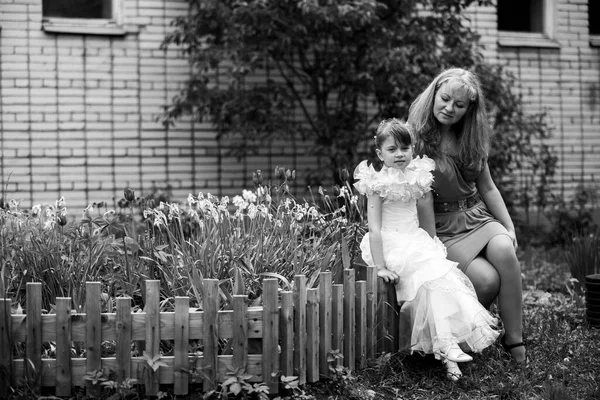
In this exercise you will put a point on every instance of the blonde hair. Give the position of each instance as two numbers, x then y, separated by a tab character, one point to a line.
473	130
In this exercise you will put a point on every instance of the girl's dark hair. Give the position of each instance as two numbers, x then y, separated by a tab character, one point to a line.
396	128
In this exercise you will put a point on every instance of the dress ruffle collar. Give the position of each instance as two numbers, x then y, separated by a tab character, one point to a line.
392	183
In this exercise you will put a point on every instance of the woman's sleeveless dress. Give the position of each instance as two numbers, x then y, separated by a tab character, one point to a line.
464	232
439	303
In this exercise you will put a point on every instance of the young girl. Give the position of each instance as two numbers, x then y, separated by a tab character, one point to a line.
439	309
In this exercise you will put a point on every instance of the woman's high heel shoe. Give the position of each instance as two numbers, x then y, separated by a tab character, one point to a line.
508	347
452	371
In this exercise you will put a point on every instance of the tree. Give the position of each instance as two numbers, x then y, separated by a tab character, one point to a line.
343	64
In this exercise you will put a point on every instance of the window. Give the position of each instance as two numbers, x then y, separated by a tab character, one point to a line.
100	17
526	23
594	22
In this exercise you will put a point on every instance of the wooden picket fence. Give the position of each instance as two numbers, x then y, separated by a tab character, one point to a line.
297	330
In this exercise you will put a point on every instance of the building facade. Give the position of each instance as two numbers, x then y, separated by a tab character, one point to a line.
83	83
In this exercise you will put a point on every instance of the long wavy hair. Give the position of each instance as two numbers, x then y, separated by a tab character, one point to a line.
473	130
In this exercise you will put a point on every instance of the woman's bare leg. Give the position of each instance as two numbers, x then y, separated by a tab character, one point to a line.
501	254
485	279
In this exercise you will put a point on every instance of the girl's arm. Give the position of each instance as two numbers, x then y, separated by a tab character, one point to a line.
494	201
375	242
425	213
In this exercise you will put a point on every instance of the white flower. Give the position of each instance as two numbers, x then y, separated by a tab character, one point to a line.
248	196
60	202
191	200
252	211
35	210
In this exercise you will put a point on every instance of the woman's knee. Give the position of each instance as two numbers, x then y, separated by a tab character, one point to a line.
500	252
485	279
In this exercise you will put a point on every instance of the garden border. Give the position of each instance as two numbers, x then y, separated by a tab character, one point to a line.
297	330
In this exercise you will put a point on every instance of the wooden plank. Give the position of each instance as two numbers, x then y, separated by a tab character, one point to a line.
6	375
270	343
393	318
382	340
300	328
93	336
361	324
123	342
137	364
33	347
286	324
371	279
312	339
138	327
211	333
324	322
337	320
349	319
63	346
152	339
180	346
240	334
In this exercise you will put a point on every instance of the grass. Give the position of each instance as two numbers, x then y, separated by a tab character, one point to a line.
563	351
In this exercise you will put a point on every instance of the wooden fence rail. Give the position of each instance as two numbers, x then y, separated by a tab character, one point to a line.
296	331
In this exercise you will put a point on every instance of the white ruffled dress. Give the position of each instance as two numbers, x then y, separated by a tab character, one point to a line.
439	303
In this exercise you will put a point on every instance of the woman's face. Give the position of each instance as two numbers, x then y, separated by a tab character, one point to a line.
394	154
451	103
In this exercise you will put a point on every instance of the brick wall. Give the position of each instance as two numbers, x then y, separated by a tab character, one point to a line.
78	112
563	82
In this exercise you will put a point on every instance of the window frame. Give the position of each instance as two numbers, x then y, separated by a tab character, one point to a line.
89	26
594	38
547	38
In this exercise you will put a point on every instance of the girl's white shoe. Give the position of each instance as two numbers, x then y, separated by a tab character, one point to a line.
453	353
452	371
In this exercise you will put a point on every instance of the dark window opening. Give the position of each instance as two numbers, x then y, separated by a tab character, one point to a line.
594	17
521	15
86	9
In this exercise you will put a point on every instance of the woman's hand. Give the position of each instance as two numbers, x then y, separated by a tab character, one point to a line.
513	237
387	275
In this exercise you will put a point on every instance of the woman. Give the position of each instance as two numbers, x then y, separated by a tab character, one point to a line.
451	126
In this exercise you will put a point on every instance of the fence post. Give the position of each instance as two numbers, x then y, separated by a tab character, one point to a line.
300	328
123	327
240	331
270	343
33	347
286	323
370	275
211	333
151	377
324	321
312	339
93	336
349	319
63	346
5	347
181	344
361	324
337	320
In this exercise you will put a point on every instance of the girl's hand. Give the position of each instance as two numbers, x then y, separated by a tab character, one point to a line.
387	275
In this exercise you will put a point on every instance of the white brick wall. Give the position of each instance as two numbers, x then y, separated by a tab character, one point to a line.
78	111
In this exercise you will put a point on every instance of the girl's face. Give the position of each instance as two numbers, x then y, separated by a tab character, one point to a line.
451	103
394	154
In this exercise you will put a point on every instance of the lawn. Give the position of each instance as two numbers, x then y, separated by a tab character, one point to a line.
563	351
